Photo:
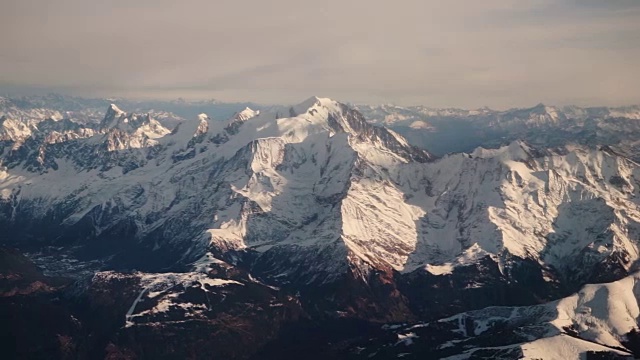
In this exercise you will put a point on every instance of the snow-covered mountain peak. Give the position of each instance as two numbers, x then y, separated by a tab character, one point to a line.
184	137
313	103
112	117
203	117
246	114
13	130
316	118
116	109
116	119
113	112
123	130
203	125
537	116
517	150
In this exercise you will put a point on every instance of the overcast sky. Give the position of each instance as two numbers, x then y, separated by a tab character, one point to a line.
499	53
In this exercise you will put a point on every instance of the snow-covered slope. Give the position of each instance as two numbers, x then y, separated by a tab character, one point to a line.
600	318
577	206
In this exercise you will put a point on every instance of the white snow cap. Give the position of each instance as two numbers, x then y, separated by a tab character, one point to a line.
246	114
311	102
114	108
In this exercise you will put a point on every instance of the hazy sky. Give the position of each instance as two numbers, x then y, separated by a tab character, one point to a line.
499	53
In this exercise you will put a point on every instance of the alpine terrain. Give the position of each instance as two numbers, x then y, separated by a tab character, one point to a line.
308	231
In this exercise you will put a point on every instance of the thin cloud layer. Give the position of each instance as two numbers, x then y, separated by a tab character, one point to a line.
498	53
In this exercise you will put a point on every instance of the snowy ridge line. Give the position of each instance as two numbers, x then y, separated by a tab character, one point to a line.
322	184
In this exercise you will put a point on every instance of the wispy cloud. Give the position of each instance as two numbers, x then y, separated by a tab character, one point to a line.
500	53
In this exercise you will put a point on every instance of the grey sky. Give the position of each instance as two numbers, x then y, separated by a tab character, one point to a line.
499	53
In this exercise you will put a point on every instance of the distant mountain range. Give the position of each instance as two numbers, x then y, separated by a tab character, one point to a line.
445	131
92	110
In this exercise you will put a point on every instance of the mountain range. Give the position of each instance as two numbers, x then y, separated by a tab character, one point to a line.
314	228
445	131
